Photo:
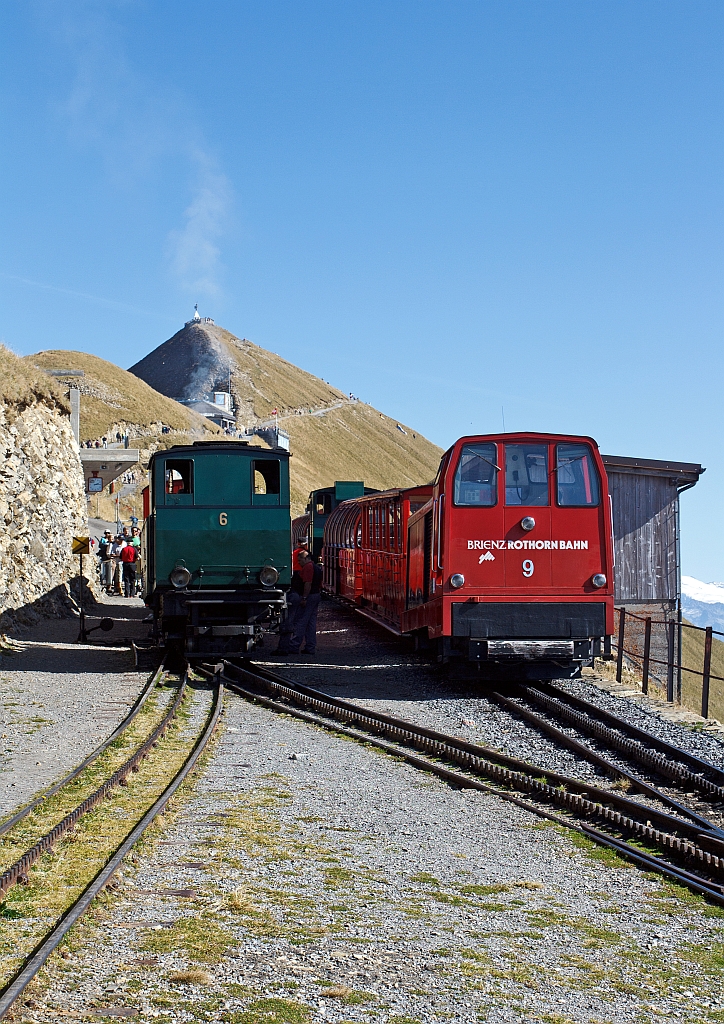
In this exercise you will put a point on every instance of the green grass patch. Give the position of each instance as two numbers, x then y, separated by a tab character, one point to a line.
202	939
269	1011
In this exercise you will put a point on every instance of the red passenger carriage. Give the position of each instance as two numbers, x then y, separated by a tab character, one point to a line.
507	563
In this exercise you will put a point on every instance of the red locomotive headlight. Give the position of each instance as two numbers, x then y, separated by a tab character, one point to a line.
599	580
528	522
457	580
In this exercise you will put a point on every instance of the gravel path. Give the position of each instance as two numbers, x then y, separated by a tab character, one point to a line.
308	878
60	699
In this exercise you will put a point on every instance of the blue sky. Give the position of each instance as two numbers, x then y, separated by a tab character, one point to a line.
449	208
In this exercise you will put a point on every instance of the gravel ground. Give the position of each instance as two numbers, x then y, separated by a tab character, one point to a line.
308	878
60	699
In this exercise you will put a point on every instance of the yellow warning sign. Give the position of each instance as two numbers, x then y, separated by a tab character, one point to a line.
81	546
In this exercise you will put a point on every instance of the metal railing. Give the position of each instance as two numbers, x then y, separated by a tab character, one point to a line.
652	648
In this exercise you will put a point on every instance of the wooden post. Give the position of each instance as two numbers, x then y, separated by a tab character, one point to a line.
80	547
671	666
647	656
707	673
621	636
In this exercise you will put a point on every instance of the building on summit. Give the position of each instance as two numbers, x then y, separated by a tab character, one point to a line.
196	319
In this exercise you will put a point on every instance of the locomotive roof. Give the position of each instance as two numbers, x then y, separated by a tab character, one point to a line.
225	446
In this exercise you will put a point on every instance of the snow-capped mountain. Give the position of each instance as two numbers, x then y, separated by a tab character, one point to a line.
702	603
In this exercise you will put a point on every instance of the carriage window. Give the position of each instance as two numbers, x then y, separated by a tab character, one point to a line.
526	474
179	481
476	478
578	482
266	476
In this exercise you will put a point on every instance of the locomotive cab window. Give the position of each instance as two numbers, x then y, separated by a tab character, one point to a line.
526	474
323	505
266	476
578	483
179	482
476	478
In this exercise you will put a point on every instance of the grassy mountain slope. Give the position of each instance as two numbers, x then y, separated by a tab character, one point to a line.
113	399
355	442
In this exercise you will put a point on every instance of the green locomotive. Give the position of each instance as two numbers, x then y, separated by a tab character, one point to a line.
216	545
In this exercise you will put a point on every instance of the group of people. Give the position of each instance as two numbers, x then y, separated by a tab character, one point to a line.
303	597
119	557
125	439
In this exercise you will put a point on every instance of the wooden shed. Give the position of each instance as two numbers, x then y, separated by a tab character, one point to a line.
646	529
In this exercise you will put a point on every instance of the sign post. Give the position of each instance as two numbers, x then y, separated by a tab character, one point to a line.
80	547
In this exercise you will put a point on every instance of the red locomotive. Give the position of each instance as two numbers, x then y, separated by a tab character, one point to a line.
506	560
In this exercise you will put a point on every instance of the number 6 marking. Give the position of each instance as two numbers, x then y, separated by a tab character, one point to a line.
223	520
528	568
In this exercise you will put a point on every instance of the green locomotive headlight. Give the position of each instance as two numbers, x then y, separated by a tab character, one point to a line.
179	577
268	576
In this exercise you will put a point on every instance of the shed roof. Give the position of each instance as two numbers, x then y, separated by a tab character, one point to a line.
678	472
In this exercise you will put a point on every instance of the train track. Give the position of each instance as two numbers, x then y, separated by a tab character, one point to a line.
19	871
657	769
684	846
154	680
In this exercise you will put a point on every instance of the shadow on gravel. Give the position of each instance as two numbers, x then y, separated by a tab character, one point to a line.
355	658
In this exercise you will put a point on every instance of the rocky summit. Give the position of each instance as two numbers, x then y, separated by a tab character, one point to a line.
202	358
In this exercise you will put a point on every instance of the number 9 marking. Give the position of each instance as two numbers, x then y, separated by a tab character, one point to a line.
223	520
528	568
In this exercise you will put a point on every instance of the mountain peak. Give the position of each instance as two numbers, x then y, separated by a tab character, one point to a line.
203	357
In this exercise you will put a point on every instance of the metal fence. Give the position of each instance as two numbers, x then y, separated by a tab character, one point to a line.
657	651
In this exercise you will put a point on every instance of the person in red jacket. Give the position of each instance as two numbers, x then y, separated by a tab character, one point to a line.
129	557
305	627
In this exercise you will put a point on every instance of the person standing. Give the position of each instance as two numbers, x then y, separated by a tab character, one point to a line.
294	601
129	557
104	553
116	549
305	626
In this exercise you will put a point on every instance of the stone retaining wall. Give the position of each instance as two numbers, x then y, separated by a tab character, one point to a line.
42	505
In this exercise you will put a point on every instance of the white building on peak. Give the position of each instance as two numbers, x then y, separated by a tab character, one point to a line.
196	319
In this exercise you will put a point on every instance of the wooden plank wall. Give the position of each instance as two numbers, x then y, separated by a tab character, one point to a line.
644	531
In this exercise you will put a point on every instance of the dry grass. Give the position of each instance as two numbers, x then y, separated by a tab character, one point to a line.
193	976
21	385
42	819
692	658
112	398
351	442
